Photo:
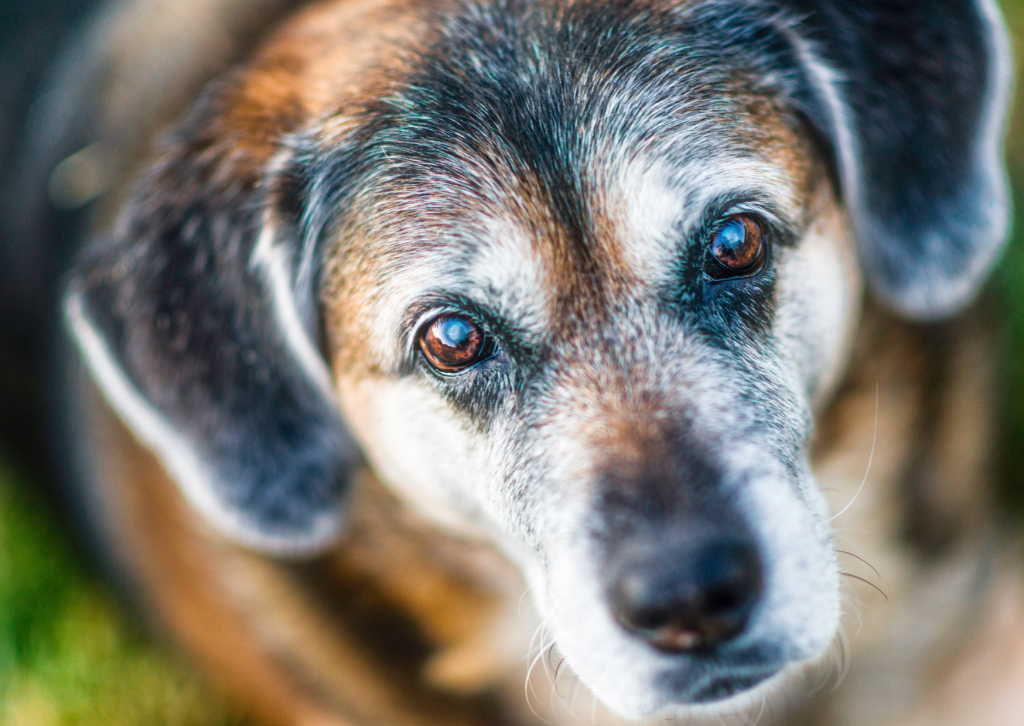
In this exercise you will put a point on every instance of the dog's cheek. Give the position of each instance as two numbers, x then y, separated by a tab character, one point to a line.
819	291
420	449
568	586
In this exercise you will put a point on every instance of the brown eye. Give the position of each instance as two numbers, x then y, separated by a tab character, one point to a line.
737	248
451	343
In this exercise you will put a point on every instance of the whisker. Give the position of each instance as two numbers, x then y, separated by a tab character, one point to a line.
866	582
838	663
764	705
844	661
538	637
553	680
551	649
845	552
519	605
572	702
871	456
853	605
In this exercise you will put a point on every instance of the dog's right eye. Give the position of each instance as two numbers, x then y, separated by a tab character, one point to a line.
738	249
452	343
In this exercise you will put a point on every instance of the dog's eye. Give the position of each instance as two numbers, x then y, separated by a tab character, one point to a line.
451	343
737	249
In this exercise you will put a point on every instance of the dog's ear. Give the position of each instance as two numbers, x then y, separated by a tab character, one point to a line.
197	319
912	99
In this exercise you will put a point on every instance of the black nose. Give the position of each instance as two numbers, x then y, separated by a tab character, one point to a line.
686	593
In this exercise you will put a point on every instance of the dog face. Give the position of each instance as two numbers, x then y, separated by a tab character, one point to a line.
545	345
582	275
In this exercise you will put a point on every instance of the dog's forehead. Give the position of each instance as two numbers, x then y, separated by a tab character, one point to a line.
530	154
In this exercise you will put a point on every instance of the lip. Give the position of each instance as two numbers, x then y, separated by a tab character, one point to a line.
717	681
724	687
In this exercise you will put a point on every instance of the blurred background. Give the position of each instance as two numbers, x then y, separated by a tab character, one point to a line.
70	655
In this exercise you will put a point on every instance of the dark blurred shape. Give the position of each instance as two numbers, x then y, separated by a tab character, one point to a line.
34	235
85	86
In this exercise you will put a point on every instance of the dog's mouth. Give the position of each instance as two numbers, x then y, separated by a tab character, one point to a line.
704	682
720	689
711	680
697	618
697	610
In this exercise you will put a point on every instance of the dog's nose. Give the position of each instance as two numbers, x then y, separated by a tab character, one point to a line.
689	593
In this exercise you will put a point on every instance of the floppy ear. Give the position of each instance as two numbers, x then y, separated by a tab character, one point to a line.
187	317
912	98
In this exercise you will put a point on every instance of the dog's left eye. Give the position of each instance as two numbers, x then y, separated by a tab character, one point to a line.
451	343
738	248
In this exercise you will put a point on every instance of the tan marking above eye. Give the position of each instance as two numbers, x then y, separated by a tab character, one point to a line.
452	343
738	247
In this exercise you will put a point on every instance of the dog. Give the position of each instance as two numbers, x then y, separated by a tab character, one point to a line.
441	345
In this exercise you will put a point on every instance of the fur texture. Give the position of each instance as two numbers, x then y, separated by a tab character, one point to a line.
554	173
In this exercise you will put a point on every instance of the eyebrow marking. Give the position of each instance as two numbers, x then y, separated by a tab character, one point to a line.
646	210
508	270
654	213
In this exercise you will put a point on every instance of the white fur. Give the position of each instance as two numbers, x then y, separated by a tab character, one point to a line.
800	608
506	271
656	211
818	290
540	510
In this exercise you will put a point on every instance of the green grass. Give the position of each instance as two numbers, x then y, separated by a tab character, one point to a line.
68	656
1008	285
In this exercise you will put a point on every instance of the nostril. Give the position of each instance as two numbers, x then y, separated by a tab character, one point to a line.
691	594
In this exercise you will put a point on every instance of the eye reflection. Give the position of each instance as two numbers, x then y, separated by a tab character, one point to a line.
737	249
452	343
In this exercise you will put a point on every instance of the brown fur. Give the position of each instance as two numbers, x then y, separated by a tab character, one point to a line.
343	639
374	632
398	624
